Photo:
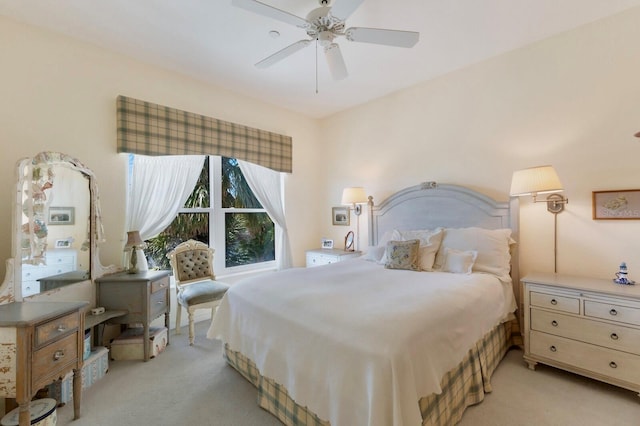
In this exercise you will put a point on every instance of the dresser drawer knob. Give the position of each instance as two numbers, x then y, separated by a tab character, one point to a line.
553	349
58	355
614	336
554	323
613	312
62	328
613	365
554	302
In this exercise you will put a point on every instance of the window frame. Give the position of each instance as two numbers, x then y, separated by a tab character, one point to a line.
217	224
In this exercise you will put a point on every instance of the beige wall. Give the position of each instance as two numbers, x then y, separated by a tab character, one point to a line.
58	94
572	101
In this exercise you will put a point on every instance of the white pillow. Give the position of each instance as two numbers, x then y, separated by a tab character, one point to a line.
492	245
374	253
459	262
430	240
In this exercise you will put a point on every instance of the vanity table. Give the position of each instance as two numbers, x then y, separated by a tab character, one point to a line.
40	342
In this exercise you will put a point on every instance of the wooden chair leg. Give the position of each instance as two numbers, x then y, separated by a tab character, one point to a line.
192	330
178	319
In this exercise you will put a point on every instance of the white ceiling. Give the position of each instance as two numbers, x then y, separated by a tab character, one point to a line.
215	42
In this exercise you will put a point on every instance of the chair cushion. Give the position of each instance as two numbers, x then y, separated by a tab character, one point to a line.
201	292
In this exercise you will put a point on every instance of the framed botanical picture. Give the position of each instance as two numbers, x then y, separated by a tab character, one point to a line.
340	216
617	204
61	216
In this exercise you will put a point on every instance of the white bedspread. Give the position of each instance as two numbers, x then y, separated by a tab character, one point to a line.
356	343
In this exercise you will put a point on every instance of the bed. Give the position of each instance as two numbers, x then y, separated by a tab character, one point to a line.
408	334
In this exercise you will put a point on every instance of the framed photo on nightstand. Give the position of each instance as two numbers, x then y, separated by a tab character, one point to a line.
327	243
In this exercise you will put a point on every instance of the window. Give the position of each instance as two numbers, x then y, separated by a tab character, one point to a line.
222	212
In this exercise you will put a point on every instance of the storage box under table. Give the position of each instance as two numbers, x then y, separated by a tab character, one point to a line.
93	369
129	344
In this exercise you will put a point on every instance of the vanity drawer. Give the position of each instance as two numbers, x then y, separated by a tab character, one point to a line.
51	330
555	302
606	362
612	312
53	359
160	284
596	332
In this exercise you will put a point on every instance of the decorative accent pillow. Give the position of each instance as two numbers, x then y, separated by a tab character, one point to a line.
492	245
430	240
459	262
403	255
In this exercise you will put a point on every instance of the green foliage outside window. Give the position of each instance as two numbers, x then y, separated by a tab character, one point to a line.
249	236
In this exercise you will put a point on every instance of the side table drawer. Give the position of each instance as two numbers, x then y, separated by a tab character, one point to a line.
53	329
555	302
160	284
53	359
157	303
612	312
619	365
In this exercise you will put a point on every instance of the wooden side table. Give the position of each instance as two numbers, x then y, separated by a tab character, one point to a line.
40	342
145	296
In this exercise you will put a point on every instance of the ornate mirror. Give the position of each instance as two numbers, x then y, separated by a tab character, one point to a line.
56	225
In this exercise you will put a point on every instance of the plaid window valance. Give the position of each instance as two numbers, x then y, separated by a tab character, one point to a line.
149	129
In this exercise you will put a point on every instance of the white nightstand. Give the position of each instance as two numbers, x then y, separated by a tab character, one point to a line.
325	256
584	325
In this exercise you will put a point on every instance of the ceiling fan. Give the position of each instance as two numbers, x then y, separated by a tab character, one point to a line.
324	24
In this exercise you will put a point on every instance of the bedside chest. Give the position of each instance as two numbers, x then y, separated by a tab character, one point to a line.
587	326
325	256
145	296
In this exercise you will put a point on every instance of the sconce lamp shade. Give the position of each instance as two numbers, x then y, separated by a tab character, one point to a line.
133	239
354	195
535	180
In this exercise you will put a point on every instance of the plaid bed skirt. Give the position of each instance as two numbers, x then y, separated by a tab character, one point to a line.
462	386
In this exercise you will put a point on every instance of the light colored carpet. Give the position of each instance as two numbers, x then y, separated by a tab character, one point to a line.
193	386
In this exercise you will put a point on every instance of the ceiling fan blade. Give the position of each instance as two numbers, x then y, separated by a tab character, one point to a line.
344	8
281	54
270	12
336	63
380	36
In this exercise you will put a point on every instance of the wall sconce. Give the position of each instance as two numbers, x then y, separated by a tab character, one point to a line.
135	245
355	197
541	180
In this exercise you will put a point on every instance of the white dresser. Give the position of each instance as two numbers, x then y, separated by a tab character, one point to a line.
325	256
583	325
58	262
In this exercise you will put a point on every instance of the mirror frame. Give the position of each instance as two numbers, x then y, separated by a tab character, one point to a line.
348	241
11	288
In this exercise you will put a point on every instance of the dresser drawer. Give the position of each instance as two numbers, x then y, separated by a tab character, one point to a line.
596	332
612	312
320	259
54	358
607	362
555	302
160	284
157	303
51	330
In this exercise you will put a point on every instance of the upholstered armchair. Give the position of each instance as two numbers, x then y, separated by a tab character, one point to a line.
196	285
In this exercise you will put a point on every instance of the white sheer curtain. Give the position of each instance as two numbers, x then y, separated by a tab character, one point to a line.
159	187
266	186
